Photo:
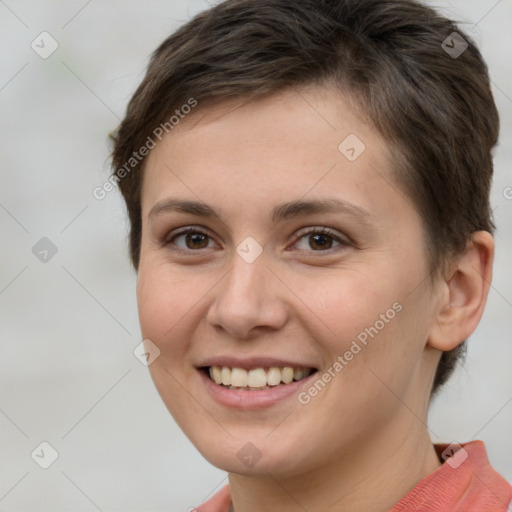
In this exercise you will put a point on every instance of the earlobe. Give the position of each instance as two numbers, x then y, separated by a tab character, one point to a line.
464	294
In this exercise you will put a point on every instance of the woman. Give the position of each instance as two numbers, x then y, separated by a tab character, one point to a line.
308	191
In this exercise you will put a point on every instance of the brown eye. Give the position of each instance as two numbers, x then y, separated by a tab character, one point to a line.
319	240
189	239
196	240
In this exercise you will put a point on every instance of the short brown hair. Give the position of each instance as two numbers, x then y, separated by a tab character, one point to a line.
392	57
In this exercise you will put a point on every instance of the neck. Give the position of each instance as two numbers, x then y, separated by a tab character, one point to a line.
373	477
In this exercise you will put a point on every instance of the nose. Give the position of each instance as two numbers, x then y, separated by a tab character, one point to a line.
248	301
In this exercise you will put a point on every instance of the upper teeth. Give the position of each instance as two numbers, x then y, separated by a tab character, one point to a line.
257	377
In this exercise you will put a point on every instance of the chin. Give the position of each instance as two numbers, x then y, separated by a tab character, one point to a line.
253	456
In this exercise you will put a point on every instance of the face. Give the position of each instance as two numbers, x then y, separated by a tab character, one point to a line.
298	281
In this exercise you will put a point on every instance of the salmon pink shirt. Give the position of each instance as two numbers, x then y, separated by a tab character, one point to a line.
466	482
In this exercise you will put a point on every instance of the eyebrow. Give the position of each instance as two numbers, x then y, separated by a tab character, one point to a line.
289	210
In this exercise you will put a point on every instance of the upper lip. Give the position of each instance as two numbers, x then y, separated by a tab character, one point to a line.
250	363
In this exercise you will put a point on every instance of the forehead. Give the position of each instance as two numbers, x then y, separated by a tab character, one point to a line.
248	156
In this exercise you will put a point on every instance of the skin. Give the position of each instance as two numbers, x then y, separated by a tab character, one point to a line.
362	443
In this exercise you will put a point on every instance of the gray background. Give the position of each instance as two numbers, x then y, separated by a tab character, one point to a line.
69	326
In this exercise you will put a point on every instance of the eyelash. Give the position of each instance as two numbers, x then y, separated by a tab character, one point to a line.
314	230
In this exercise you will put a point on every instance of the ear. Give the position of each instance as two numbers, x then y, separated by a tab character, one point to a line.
463	293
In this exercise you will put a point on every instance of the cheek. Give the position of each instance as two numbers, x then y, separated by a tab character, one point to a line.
368	319
166	306
164	301
346	303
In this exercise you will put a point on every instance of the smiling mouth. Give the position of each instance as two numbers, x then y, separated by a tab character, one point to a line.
256	379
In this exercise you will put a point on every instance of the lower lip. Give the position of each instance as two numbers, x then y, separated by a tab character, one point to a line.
246	399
